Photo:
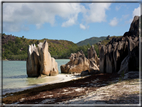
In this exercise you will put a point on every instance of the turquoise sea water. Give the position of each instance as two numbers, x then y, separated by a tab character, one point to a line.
15	75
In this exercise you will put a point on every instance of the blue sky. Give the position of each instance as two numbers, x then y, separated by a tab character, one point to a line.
68	21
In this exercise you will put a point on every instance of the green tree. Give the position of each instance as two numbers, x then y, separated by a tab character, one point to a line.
17	40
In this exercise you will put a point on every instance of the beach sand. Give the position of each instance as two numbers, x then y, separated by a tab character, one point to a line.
95	89
50	80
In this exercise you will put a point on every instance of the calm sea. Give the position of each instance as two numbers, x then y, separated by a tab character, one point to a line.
15	76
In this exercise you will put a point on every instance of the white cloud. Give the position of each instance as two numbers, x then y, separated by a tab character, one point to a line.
16	15
96	12
38	26
70	22
136	12
75	9
113	22
82	26
40	13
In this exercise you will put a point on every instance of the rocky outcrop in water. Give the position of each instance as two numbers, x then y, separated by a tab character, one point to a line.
33	67
80	64
121	54
40	62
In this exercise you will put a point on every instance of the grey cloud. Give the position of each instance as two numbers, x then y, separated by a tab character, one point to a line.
25	10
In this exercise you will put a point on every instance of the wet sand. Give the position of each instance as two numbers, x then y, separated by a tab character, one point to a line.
48	80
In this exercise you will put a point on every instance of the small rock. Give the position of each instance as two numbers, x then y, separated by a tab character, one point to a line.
22	99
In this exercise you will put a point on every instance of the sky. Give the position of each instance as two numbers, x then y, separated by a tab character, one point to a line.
68	21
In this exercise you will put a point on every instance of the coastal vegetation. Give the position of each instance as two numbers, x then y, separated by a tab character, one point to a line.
15	48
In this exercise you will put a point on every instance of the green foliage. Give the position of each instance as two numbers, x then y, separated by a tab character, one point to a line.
17	49
91	41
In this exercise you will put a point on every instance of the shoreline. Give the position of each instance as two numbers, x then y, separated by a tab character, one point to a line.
83	90
61	78
79	82
25	60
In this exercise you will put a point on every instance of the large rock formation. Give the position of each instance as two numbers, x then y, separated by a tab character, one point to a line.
121	54
79	63
40	62
131	61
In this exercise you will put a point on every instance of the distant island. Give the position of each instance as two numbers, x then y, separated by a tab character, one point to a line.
15	48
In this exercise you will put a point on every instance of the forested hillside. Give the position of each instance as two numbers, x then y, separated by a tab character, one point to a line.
15	48
103	40
91	41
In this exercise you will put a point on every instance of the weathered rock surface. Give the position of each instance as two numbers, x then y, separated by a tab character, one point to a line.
93	55
79	63
33	67
131	61
121	54
40	62
93	60
102	58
